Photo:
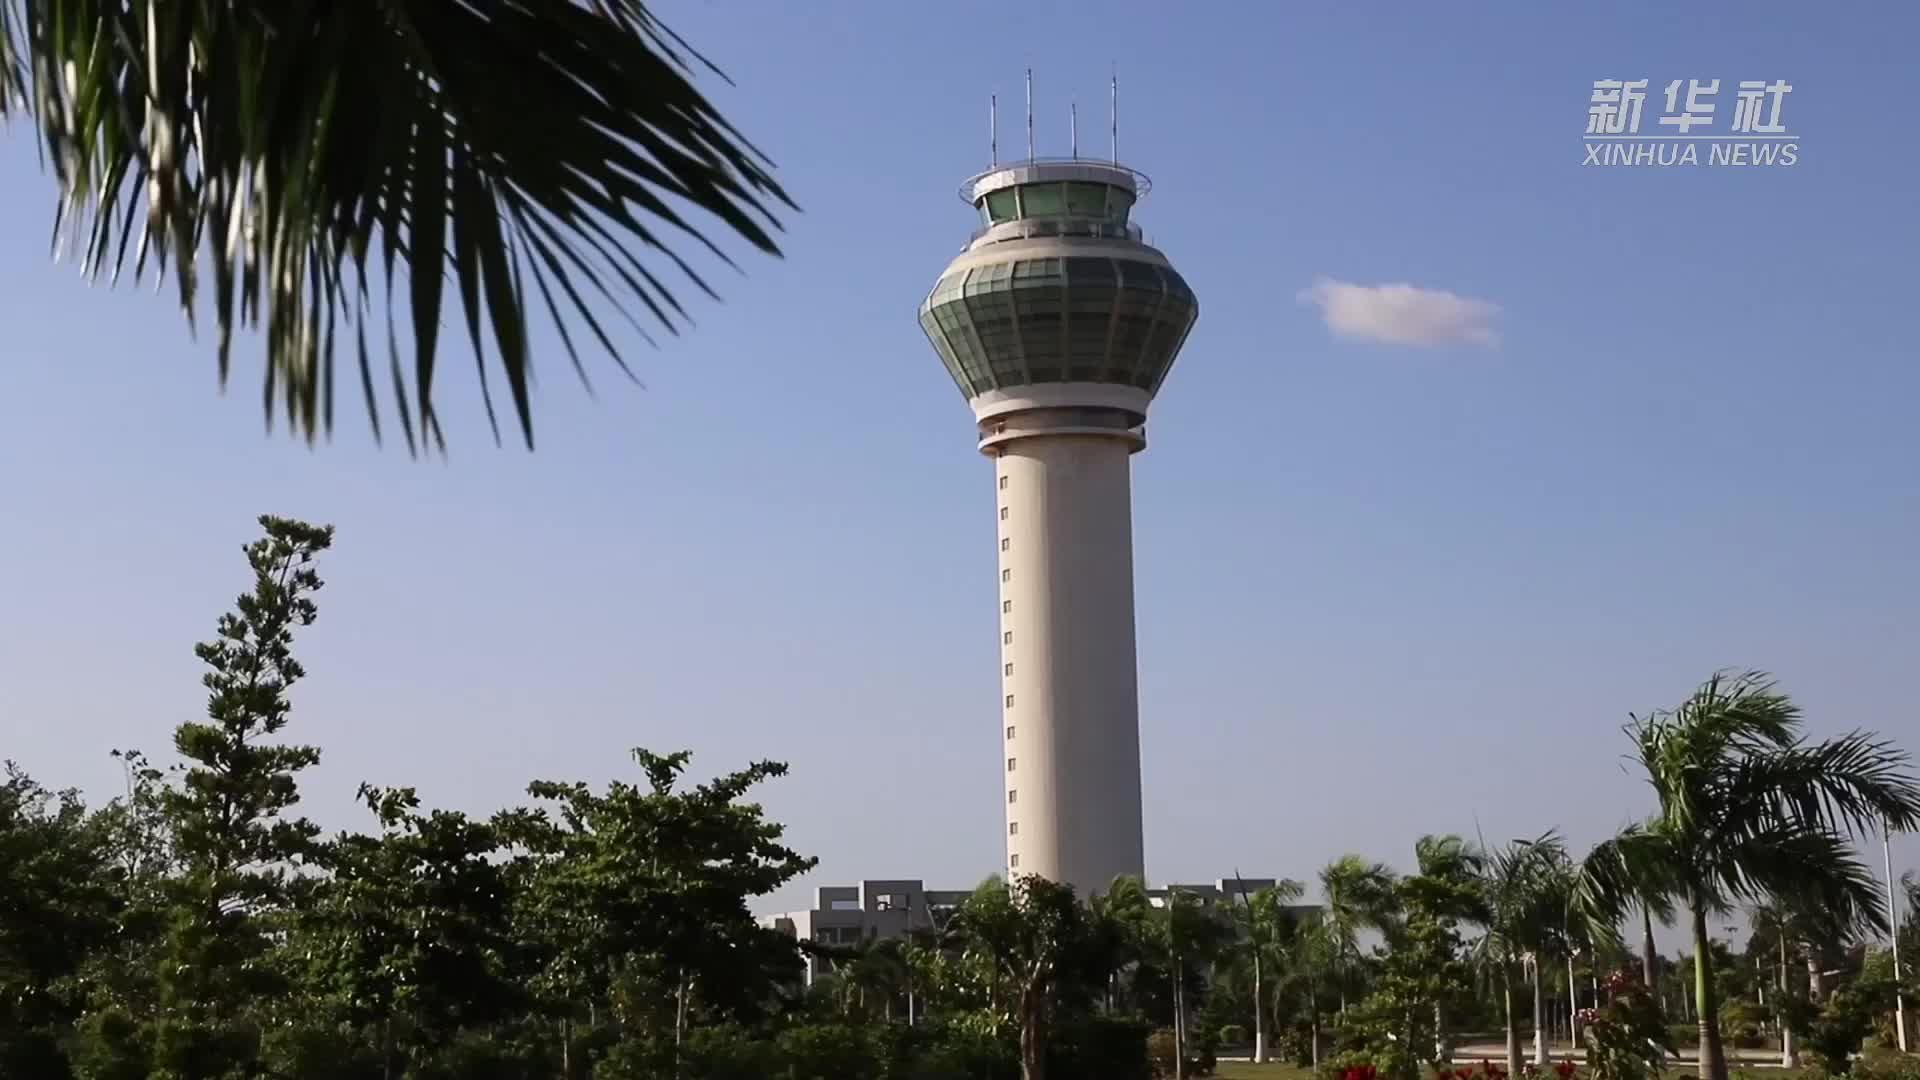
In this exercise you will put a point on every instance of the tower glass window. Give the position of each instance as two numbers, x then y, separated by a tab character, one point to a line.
1041	200
1087	200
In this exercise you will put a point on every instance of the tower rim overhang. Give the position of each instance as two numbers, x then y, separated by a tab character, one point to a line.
1048	170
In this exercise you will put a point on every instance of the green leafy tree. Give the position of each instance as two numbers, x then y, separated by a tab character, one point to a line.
299	152
1427	963
59	904
231	831
1034	937
1748	807
638	897
411	935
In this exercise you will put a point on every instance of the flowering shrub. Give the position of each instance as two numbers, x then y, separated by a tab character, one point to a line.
1488	1070
1627	1040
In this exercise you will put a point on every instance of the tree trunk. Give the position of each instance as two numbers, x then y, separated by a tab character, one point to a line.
1513	1031
566	1048
1573	1006
1789	1053
1713	1058
1816	980
1313	1026
1179	1020
1033	1037
679	1022
1441	1054
1647	954
1539	1013
1259	1015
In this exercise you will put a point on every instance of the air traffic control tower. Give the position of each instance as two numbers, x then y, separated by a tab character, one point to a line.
1059	323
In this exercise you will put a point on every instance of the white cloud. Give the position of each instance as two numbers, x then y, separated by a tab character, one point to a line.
1403	314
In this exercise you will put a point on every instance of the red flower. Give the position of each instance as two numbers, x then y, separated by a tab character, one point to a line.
1565	1069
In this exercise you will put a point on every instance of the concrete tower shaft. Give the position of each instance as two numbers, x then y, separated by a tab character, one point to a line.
1059	323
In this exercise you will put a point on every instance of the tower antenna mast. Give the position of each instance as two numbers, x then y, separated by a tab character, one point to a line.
993	130
1029	114
1113	117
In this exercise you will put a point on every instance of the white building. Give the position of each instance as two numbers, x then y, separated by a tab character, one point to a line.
851	914
1058	323
847	915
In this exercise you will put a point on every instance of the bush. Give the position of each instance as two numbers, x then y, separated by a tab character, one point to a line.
964	1052
318	1052
726	1052
1200	1059
1884	1064
1630	1038
1160	1052
1740	1024
1099	1047
1233	1035
827	1052
111	1046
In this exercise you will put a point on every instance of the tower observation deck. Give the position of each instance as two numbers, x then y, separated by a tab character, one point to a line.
1058	322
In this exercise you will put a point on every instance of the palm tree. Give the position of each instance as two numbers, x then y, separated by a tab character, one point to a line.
1121	929
1316	960
299	152
1359	896
1748	808
1191	935
1524	905
1265	926
1639	885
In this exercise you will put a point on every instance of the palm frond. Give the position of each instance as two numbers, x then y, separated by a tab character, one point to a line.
300	150
1856	783
1815	871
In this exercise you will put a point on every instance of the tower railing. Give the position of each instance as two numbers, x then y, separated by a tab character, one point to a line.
1031	228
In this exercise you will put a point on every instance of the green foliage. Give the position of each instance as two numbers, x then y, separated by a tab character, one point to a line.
1880	1063
1748	809
1629	1038
1844	1022
59	901
282	146
1741	1022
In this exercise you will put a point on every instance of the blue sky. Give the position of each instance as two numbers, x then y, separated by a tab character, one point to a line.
1383	589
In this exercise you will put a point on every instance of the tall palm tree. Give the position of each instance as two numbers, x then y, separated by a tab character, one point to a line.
1746	808
1359	896
1191	936
1557	884
1317	962
300	151
1265	930
1121	930
1524	908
